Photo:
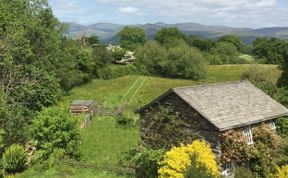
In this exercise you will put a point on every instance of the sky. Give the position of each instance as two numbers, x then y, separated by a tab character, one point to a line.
235	13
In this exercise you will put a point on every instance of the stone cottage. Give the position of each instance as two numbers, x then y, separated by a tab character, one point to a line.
209	110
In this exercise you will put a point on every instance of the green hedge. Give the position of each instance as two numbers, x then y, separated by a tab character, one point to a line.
116	71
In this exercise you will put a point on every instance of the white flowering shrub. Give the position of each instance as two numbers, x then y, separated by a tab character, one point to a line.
112	48
120	55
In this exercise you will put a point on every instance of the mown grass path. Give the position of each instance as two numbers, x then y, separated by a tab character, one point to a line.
132	91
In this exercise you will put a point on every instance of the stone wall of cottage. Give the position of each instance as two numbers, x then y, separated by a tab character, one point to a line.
194	122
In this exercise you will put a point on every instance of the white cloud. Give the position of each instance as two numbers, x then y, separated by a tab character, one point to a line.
128	10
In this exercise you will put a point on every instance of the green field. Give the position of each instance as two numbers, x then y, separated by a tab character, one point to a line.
102	141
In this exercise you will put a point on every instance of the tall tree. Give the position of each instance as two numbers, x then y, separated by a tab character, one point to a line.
131	37
202	44
30	38
169	34
92	40
234	39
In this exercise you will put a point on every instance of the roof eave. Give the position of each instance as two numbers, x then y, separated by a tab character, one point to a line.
254	122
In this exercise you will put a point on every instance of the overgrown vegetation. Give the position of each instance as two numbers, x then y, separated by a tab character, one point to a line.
39	66
14	159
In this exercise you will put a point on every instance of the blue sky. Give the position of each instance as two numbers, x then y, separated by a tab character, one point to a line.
237	13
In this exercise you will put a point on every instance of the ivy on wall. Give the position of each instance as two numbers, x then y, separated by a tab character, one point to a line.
165	127
261	156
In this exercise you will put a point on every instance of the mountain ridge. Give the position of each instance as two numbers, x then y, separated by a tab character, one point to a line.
107	32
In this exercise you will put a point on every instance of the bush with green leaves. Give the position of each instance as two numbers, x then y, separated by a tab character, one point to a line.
143	160
125	120
263	77
116	71
55	128
181	61
76	66
225	53
102	58
242	172
282	126
14	159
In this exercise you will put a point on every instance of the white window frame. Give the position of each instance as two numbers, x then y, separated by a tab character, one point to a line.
272	125
248	134
228	169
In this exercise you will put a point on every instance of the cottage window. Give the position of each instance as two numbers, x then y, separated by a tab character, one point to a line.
272	125
248	134
228	169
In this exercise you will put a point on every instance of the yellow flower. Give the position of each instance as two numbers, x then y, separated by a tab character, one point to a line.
178	160
282	172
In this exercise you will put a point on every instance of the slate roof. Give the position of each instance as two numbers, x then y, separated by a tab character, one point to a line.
231	105
82	103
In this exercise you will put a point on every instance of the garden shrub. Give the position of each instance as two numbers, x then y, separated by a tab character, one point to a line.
143	160
14	159
124	119
242	172
198	156
55	128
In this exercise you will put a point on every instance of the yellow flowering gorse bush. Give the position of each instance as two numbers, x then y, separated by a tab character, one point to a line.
177	161
282	172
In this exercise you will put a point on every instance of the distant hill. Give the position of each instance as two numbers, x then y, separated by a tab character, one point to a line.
107	31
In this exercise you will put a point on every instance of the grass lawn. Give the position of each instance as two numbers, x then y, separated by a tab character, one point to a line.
102	141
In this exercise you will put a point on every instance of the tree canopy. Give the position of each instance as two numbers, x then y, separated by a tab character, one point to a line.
130	37
166	35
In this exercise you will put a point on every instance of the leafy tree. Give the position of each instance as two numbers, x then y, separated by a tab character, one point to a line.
202	44
166	35
186	63
75	66
91	40
131	37
233	39
283	65
55	128
272	50
102	59
225	53
177	62
150	58
37	89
